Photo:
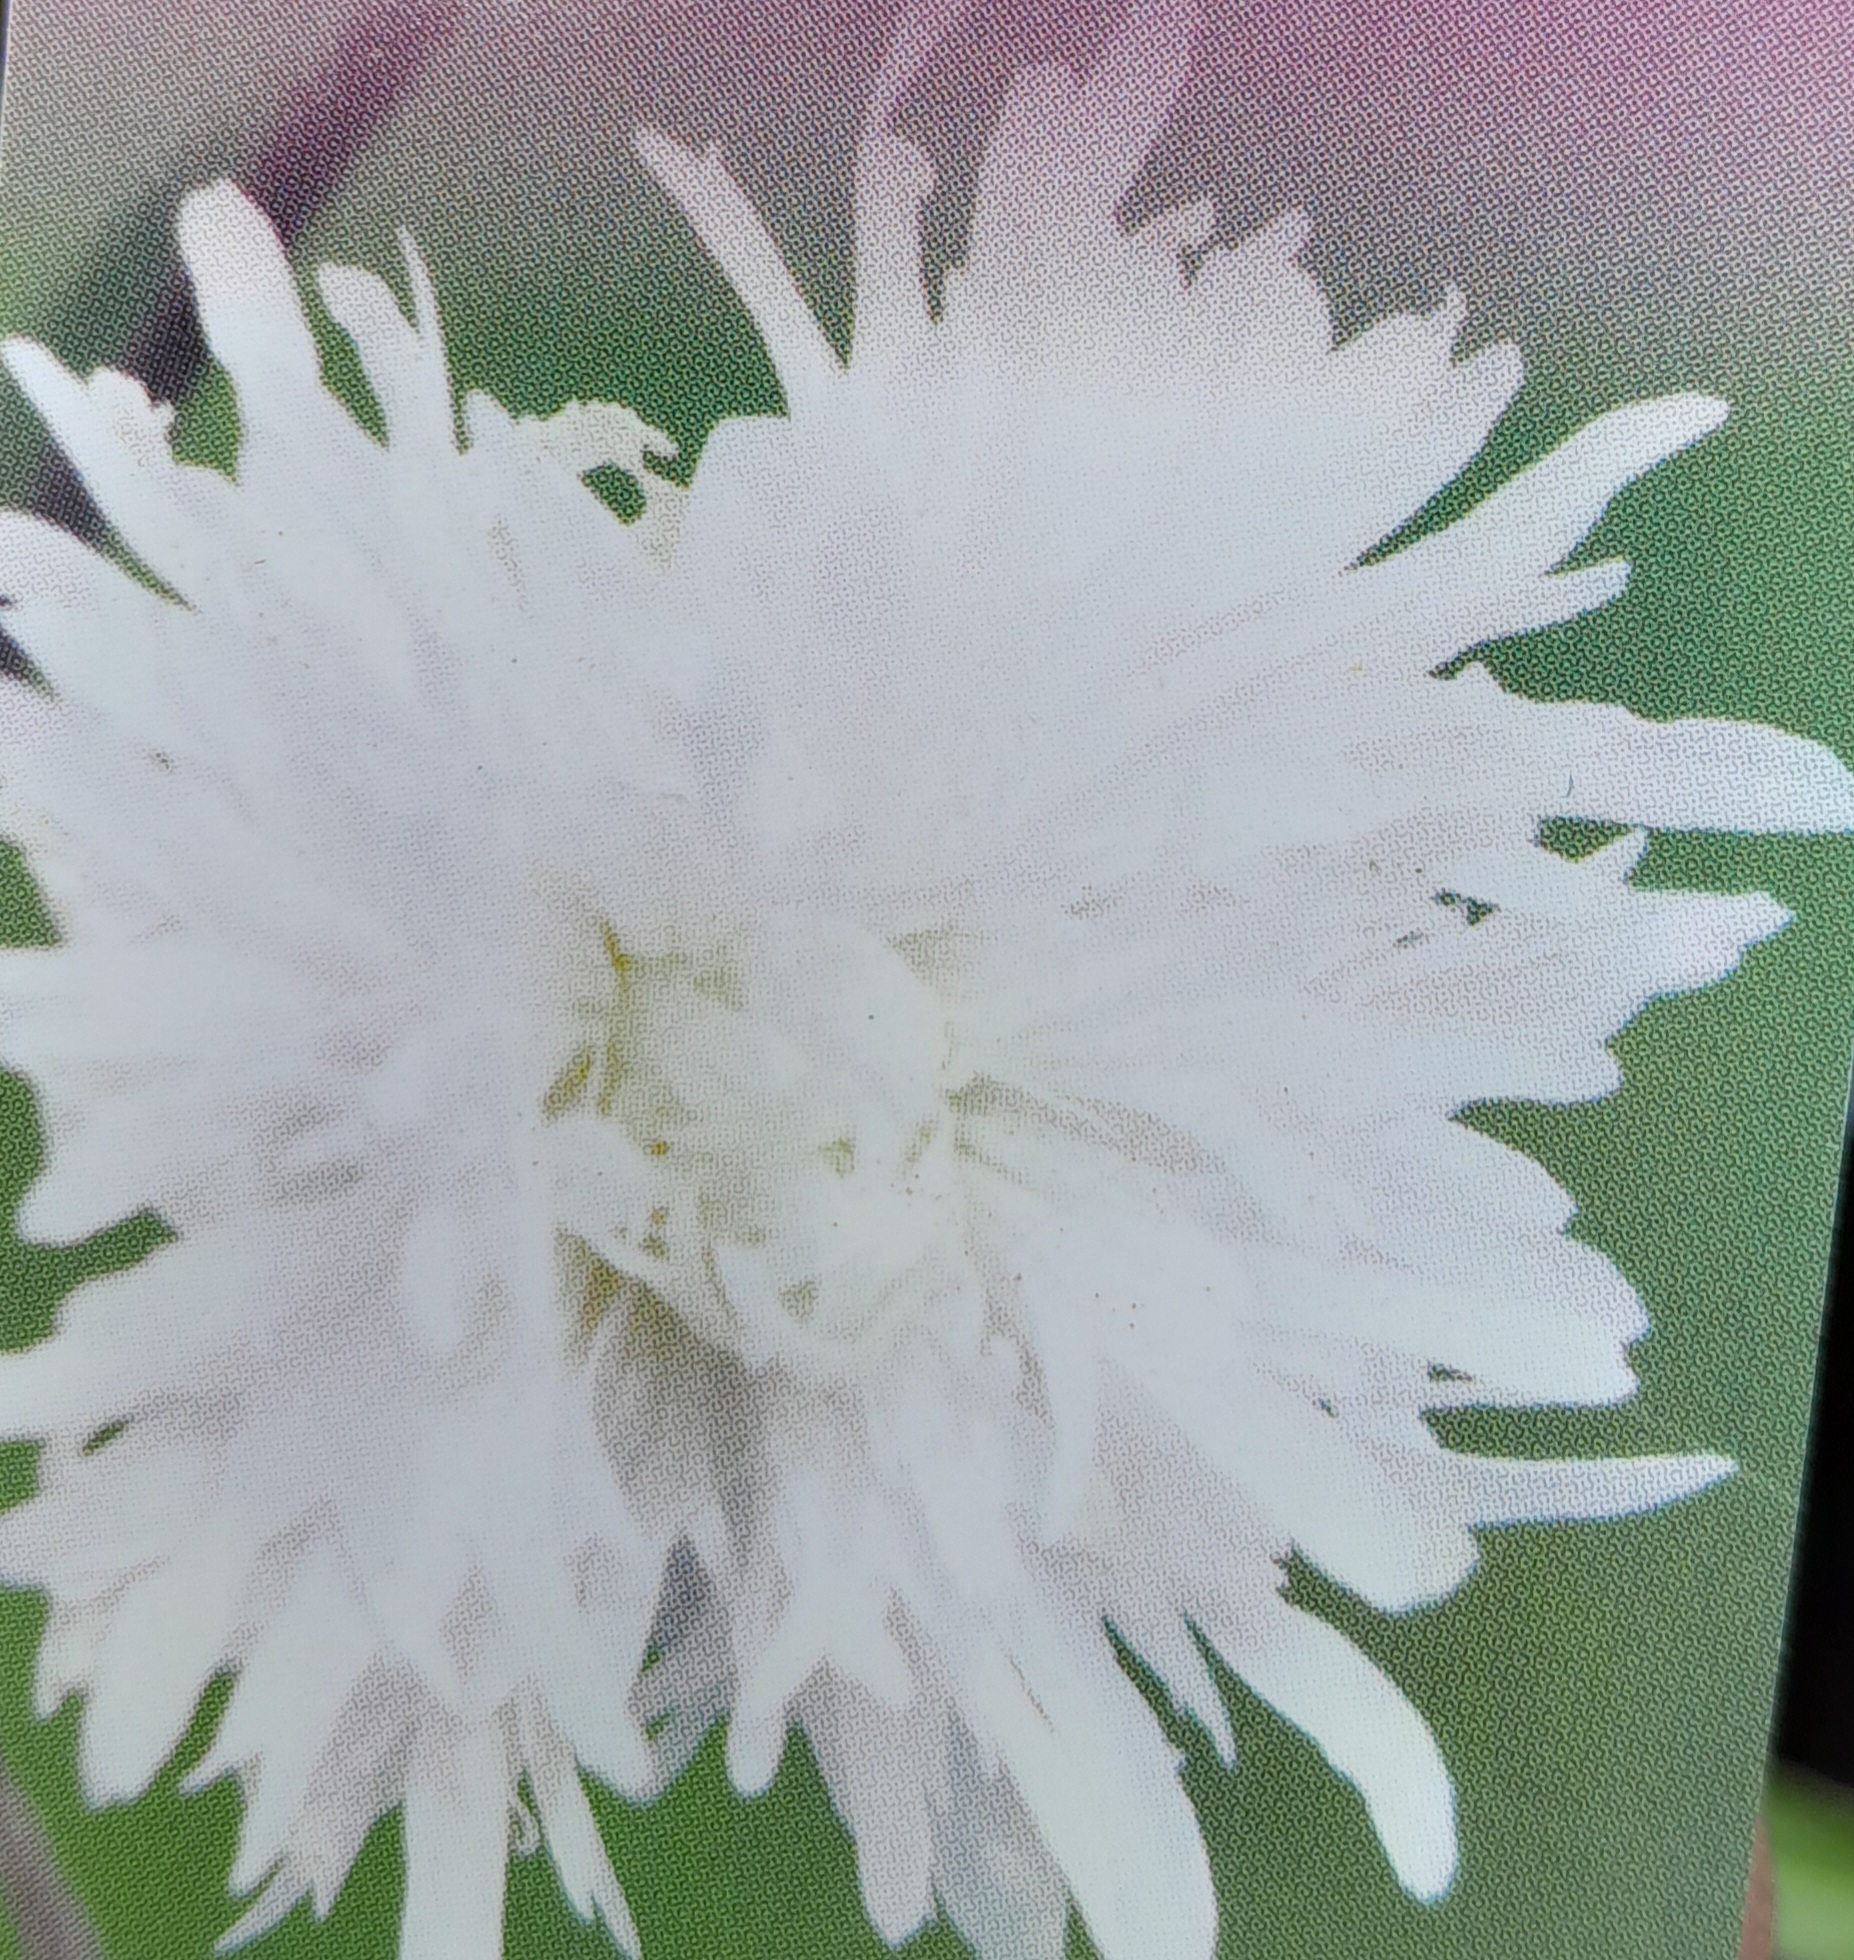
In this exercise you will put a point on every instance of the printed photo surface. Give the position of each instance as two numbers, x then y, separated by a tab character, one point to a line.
926	965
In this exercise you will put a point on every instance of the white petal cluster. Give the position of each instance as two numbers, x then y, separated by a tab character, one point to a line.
793	1110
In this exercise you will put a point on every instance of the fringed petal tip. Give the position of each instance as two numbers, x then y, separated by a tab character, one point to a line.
27	362
218	214
230	247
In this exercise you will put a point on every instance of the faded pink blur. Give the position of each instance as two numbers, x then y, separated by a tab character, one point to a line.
1676	176
1671	177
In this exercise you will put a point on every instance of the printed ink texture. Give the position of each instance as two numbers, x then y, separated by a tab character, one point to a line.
893	1068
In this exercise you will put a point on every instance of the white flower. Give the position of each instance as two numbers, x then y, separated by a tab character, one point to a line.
799	1111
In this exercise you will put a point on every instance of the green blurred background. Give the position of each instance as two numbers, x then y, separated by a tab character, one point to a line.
1602	1693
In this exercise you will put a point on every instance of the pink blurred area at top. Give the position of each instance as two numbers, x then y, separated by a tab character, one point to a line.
1674	178
1677	175
1671	179
1694	157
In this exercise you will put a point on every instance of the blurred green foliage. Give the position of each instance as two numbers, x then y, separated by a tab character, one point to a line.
1812	1846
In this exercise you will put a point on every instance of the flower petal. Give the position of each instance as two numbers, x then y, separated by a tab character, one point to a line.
457	1830
1369	1733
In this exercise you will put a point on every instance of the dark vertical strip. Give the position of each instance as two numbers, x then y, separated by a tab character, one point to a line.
1816	1713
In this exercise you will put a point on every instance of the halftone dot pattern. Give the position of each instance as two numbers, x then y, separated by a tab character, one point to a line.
1645	196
